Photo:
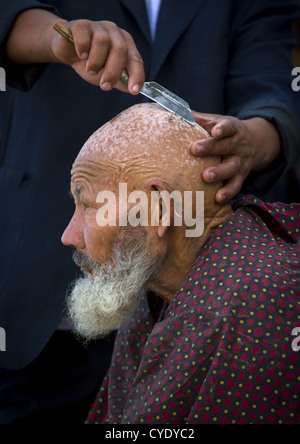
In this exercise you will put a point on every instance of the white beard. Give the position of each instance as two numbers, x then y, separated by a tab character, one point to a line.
101	301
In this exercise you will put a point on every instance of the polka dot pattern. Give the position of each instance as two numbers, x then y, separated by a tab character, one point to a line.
222	350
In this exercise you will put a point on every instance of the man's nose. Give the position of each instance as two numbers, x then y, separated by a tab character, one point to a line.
73	234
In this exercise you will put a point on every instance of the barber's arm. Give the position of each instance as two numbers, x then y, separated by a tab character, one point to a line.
260	143
32	40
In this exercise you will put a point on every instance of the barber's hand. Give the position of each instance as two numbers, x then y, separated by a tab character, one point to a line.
244	145
97	44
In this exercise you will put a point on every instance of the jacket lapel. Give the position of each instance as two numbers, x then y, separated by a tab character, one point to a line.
174	18
138	9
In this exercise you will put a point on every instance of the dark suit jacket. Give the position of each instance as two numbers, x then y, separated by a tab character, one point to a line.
222	56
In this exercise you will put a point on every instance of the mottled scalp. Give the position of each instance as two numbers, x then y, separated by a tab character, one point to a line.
154	138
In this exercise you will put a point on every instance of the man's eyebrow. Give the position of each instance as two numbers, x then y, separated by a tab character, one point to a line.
76	193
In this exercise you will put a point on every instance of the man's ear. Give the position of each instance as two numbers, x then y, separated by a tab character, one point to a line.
162	207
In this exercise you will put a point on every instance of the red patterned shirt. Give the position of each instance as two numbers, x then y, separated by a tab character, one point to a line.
221	351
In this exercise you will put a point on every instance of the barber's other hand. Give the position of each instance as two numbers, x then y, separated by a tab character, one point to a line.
97	44
244	145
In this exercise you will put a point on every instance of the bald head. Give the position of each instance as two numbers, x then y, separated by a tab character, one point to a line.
148	138
144	129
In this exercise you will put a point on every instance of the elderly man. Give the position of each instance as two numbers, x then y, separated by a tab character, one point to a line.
205	323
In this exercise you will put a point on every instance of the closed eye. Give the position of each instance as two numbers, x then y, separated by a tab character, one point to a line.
85	206
77	199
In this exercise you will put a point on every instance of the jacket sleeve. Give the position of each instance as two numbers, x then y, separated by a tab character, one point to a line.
259	78
22	77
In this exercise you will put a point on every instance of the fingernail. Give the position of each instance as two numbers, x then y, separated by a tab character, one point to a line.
136	88
219	132
211	176
92	73
199	149
106	86
84	55
222	198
